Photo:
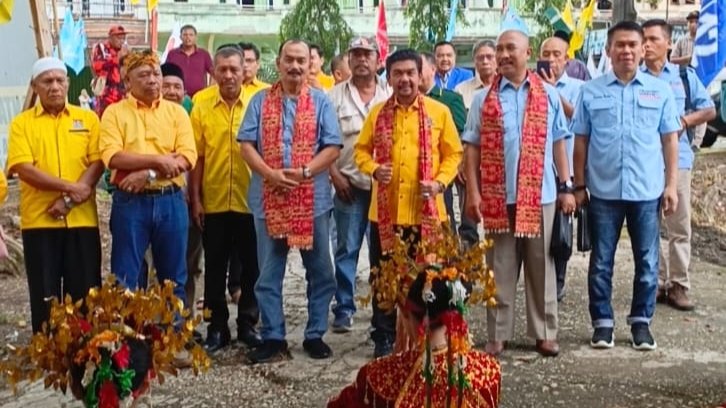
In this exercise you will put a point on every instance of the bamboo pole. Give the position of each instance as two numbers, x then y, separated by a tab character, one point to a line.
56	28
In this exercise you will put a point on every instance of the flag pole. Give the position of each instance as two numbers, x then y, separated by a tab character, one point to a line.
56	28
146	26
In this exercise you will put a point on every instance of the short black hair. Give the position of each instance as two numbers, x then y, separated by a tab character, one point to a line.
336	61
405	54
428	57
171	69
442	43
292	41
188	27
562	35
246	46
317	49
659	22
631	26
228	45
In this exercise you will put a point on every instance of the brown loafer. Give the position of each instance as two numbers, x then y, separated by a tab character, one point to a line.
678	298
494	348
548	348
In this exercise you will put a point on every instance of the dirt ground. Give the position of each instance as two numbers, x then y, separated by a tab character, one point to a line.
687	370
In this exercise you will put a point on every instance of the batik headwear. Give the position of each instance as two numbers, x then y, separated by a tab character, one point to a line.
136	59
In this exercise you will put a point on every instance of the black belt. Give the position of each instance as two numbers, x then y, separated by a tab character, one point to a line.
170	189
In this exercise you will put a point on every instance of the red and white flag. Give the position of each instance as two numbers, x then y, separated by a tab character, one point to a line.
382	32
173	42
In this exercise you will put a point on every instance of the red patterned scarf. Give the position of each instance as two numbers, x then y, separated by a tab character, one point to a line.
289	215
531	162
382	147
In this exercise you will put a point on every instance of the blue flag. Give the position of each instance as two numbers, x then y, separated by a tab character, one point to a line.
73	42
513	22
451	28
709	49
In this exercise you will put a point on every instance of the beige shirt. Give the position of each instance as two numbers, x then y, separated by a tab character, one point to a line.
468	89
684	47
351	112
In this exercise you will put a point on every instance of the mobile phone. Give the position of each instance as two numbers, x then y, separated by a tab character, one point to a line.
543	67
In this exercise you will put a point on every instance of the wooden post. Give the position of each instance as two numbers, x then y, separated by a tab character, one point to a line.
43	40
56	28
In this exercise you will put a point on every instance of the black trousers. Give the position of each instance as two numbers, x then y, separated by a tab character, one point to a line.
227	236
384	322
59	262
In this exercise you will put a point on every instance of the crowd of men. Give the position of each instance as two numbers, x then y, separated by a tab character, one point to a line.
206	158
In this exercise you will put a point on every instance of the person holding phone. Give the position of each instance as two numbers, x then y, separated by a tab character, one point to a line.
551	67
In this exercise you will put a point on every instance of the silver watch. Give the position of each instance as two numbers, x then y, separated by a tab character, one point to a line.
68	202
152	176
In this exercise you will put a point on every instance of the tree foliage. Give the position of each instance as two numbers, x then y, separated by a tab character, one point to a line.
319	22
428	21
536	9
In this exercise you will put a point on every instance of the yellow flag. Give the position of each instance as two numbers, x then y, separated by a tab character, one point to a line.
6	11
567	16
583	23
150	4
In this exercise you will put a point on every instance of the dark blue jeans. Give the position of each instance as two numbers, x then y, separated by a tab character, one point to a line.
606	220
160	220
351	220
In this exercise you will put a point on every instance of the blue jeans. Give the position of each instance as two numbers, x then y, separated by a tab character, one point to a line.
606	220
160	220
272	259
352	222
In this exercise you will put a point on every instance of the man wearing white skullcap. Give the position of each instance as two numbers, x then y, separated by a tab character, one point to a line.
53	148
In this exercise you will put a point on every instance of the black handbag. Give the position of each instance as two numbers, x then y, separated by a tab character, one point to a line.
561	245
584	242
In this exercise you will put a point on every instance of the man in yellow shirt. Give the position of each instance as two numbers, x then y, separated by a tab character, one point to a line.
148	143
250	66
410	146
218	196
53	147
318	78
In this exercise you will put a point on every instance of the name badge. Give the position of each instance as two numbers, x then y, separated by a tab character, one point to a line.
77	126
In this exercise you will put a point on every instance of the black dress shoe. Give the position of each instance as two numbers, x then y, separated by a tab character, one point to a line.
269	352
382	347
249	337
216	340
317	349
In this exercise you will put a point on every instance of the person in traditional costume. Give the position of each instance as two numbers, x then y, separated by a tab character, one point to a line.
443	371
289	138
516	137
410	147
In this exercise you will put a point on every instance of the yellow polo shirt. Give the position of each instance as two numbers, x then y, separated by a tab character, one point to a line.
212	91
404	192
163	128
226	176
63	146
326	81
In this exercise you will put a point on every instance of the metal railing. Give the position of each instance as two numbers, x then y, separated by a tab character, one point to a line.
100	9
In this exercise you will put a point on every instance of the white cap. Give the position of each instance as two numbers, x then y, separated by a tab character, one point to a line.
47	64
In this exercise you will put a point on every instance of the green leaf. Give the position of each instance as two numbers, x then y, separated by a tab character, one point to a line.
428	21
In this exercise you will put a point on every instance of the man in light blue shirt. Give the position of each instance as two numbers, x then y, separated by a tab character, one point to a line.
293	62
512	247
554	51
675	257
448	75
626	125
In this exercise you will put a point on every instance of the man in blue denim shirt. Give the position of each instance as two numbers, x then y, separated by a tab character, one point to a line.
293	63
675	257
626	125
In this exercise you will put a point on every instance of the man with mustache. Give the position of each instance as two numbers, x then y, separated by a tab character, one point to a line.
148	143
218	196
516	136
289	138
410	147
675	256
250	67
626	125
352	101
53	148
486	69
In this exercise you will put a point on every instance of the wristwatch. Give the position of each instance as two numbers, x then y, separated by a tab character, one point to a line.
565	187
152	176
306	173
68	202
